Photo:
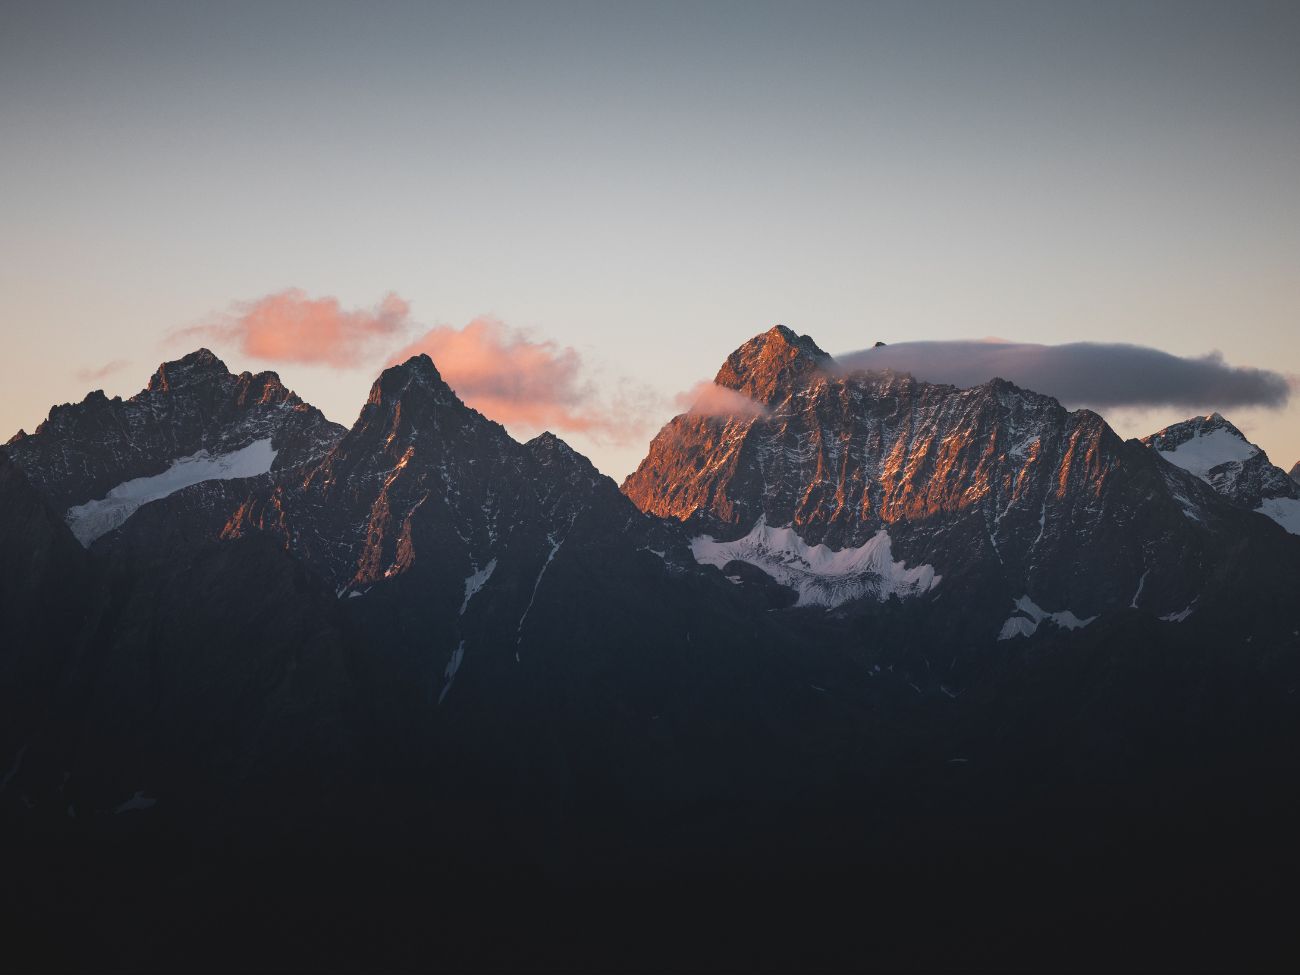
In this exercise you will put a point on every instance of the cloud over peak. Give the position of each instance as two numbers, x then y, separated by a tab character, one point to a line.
715	401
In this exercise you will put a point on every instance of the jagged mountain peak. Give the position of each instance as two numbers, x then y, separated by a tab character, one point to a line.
555	456
771	362
408	402
418	371
1295	473
195	366
548	446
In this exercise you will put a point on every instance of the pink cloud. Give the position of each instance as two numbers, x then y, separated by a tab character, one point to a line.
505	373
291	327
715	401
535	384
102	372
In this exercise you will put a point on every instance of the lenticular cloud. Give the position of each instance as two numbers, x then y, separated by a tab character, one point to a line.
1097	375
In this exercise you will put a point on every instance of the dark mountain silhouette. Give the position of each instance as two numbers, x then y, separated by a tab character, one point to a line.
884	651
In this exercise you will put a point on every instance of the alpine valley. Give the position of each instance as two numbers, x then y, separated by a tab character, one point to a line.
865	672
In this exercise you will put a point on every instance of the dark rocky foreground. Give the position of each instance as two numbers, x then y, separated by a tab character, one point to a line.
423	697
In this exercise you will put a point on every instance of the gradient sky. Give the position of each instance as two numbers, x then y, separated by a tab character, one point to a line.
649	185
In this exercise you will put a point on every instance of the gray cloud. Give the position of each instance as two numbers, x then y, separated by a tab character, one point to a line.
1096	375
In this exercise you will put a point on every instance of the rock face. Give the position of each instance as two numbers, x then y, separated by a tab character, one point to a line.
421	473
1000	491
194	421
427	497
1216	451
1295	474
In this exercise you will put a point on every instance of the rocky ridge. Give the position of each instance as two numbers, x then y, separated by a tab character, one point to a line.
193	421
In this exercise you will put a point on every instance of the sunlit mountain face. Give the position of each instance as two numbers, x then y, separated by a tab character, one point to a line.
850	654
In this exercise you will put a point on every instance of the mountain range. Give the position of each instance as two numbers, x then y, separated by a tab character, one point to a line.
862	638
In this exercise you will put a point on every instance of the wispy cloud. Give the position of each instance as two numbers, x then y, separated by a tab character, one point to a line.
715	401
101	372
519	380
290	327
1085	374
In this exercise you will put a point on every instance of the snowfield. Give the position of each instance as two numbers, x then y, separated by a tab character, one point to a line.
93	520
821	576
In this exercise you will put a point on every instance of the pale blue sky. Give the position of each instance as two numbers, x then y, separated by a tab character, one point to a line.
651	185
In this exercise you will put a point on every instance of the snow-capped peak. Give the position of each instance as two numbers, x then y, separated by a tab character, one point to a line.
1203	445
1213	449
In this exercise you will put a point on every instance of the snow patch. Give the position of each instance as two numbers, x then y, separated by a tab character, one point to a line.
476	582
96	518
555	549
1177	617
453	665
1142	582
1027	616
820	575
1284	510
